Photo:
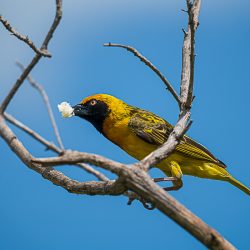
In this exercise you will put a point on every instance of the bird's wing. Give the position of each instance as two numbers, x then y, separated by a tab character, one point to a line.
197	151
155	130
149	127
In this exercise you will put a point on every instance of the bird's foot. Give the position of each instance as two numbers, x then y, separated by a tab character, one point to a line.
177	182
132	196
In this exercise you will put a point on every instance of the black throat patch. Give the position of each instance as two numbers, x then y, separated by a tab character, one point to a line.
95	114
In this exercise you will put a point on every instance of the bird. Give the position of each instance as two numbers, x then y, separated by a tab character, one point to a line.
139	132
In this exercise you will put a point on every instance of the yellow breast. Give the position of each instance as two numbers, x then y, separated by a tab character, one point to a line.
117	131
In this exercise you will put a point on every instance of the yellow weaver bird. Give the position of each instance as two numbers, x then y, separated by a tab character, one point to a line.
139	132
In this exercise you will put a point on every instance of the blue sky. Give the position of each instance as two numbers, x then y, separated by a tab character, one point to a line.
35	214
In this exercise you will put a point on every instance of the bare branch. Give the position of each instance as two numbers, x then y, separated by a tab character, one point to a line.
45	97
18	83
52	146
73	157
188	55
56	177
36	136
139	182
54	25
93	171
35	60
150	65
23	38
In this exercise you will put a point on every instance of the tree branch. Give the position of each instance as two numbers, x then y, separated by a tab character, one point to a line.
138	181
150	65
45	97
35	59
52	146
93	171
32	133
72	157
23	38
188	55
56	177
187	81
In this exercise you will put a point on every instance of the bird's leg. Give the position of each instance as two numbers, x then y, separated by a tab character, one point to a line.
176	175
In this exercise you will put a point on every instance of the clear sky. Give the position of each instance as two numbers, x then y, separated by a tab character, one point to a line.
34	214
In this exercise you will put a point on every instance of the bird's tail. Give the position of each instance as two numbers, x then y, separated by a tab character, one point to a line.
239	185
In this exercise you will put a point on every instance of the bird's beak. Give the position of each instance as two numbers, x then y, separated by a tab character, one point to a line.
80	110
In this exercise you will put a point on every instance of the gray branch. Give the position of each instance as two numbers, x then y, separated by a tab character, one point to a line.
150	65
35	59
45	97
188	55
56	177
52	146
23	38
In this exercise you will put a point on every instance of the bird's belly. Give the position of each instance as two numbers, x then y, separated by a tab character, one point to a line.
122	136
136	147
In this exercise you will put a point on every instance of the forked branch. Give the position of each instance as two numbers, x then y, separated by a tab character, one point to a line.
23	38
150	65
51	146
35	59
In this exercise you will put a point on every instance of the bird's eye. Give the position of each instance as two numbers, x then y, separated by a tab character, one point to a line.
93	102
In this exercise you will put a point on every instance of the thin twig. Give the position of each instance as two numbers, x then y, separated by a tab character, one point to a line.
45	97
52	146
32	133
57	19
23	38
19	82
150	65
35	60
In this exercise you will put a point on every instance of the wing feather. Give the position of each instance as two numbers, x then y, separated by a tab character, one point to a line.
149	127
155	130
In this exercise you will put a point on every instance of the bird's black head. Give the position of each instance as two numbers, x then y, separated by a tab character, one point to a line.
94	111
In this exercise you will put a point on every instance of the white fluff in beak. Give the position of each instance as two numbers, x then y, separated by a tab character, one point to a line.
66	109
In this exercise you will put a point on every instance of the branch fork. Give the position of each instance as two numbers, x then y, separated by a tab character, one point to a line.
42	52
